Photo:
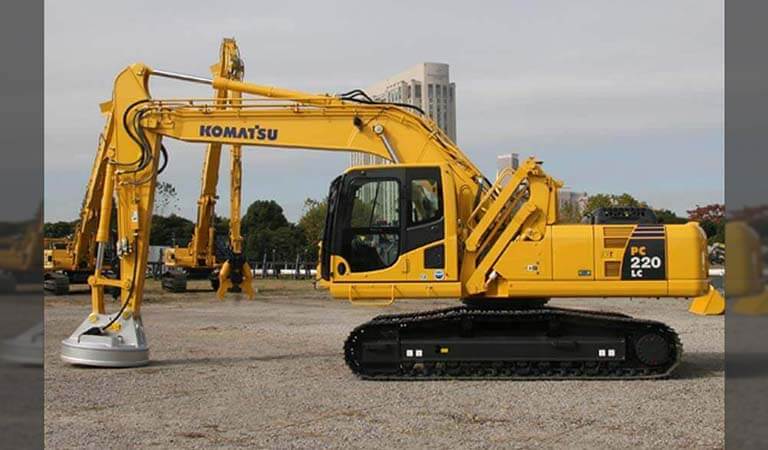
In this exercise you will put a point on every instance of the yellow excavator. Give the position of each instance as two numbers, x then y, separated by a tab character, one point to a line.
428	226
71	260
199	258
19	253
20	246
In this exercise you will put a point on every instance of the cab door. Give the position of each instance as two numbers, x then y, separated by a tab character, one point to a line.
368	236
393	225
425	245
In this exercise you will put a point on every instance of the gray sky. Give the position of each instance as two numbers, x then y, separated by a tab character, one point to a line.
614	96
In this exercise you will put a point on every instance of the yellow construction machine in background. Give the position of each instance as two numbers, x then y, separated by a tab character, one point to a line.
19	253
199	258
72	260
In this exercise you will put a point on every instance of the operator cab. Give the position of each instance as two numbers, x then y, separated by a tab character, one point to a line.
377	214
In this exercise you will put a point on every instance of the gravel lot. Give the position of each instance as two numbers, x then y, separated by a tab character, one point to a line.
270	373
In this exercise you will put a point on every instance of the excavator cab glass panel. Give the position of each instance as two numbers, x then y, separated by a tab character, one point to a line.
330	214
425	207
425	201
365	214
372	239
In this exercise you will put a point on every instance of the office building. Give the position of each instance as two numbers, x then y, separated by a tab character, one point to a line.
509	160
426	85
577	199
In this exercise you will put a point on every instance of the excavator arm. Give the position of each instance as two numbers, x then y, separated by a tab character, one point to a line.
235	274
294	120
200	253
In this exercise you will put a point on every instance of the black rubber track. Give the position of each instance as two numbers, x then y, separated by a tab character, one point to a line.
631	368
174	282
56	283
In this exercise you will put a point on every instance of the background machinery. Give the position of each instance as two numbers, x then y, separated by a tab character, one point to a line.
71	260
19	253
20	246
428	226
200	258
745	275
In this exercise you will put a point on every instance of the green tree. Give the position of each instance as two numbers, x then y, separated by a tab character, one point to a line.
170	230
569	213
312	223
166	199
627	200
719	235
283	243
58	229
598	201
715	231
263	214
667	216
221	225
611	200
266	230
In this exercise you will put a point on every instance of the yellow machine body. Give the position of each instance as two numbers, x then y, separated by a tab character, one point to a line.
537	259
57	253
591	260
567	262
19	253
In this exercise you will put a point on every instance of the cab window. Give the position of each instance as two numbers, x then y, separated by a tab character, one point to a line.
373	236
425	201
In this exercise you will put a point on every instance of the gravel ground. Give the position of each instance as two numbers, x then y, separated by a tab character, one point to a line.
270	373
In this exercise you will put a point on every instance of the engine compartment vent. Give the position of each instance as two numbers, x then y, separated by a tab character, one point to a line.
616	237
612	268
